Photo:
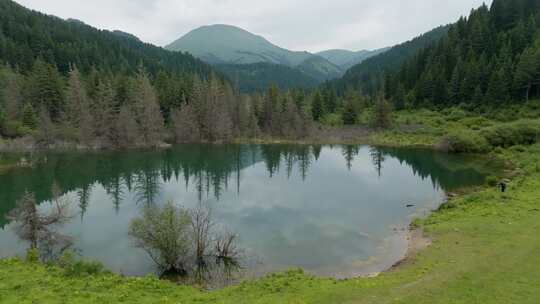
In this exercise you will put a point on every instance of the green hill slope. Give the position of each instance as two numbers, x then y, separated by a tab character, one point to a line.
26	35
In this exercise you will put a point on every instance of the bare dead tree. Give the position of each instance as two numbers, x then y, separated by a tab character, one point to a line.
201	225
227	252
39	228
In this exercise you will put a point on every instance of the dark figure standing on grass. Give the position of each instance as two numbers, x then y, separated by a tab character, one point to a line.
503	186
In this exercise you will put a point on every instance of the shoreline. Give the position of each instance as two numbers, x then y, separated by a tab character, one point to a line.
417	241
345	135
472	215
415	238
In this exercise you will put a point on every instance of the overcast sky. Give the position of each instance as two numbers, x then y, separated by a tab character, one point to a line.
311	25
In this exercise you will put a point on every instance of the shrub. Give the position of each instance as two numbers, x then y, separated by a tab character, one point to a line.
506	114
32	255
12	128
333	120
498	150
476	123
447	206
79	268
492	181
518	148
455	114
464	141
521	132
531	109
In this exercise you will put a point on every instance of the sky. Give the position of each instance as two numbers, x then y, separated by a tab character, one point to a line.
300	25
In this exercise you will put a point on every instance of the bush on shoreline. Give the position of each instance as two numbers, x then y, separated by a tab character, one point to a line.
464	141
504	135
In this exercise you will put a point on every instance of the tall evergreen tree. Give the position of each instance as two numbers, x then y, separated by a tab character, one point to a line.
45	88
77	108
349	115
317	110
147	111
382	117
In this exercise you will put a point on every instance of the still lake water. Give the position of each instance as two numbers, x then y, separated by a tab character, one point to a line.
336	211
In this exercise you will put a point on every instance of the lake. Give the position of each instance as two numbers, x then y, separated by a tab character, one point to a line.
339	211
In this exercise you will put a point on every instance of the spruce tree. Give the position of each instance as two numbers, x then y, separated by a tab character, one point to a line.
29	118
77	110
349	115
330	100
12	94
105	110
127	130
382	118
45	88
526	72
148	114
317	111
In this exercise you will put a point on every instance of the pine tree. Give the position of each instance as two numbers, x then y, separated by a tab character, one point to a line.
126	129
199	101
105	110
47	132
218	115
317	111
349	115
78	108
45	88
497	92
185	125
382	118
12	94
148	114
269	110
399	97
29	118
330	101
526	73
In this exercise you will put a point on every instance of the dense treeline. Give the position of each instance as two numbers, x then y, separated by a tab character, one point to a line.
488	59
103	111
256	77
66	82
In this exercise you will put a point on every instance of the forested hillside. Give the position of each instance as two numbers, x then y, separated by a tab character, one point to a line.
255	77
368	76
26	35
486	60
63	82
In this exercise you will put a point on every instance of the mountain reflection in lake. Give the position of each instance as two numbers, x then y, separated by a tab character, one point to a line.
333	210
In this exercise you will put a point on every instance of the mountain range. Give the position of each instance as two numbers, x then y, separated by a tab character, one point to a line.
235	52
346	59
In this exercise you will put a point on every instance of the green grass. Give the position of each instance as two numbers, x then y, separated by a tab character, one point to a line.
7	162
486	249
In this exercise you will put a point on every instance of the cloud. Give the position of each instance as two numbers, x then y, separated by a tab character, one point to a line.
312	25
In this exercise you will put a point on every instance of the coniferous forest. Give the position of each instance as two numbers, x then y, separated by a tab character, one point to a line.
63	81
66	82
487	60
222	161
